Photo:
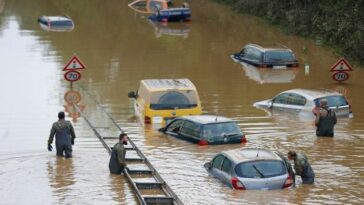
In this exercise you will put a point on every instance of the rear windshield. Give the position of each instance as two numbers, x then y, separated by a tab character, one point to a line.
170	100
333	101
279	56
221	129
260	169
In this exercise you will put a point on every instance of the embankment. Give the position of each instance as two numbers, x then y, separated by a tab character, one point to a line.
338	24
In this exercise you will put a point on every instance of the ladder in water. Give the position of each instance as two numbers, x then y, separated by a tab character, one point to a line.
154	191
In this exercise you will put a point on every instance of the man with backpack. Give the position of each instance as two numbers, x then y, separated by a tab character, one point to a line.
325	120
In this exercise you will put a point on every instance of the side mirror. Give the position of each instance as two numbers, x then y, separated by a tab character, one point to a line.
132	94
208	165
270	104
162	129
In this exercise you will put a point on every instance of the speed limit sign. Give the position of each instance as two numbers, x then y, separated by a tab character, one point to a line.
340	76
72	75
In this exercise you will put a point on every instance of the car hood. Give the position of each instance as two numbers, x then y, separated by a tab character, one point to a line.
263	104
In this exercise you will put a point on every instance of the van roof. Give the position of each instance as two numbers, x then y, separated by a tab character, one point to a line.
163	84
250	154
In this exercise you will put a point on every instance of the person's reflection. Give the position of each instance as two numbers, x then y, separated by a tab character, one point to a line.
61	176
118	183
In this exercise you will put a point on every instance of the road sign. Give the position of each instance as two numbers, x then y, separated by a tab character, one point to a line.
341	65
72	75
74	64
340	76
72	97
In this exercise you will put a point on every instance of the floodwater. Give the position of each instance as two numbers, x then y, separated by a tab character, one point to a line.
120	47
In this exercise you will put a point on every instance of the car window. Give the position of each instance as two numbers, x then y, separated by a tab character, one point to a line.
174	126
191	129
281	98
221	129
333	101
278	55
226	165
254	54
295	99
260	169
169	100
216	162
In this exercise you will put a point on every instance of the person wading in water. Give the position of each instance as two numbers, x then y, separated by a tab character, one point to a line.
117	158
325	120
65	136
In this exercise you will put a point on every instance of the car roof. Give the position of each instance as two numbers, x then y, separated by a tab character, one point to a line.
279	47
163	84
56	18
206	119
250	154
313	93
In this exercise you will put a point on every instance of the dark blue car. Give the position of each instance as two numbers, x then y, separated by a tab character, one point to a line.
171	15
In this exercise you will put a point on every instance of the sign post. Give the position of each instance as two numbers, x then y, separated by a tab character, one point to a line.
71	67
341	69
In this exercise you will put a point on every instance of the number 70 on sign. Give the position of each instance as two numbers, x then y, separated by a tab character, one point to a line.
72	75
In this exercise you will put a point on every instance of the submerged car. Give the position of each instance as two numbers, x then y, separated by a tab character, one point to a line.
251	169
205	129
158	100
276	57
172	14
297	100
56	23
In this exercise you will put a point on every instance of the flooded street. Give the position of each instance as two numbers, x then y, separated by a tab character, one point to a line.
121	47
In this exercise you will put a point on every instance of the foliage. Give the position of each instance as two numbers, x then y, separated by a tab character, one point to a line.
339	24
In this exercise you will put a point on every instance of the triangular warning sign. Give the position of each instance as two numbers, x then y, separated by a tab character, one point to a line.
341	65
74	64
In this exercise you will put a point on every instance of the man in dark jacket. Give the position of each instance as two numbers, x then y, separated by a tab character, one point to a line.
302	167
65	136
117	158
325	120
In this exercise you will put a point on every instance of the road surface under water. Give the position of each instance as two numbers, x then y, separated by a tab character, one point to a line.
120	47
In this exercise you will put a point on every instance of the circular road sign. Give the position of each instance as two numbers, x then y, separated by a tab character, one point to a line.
340	76
72	75
72	97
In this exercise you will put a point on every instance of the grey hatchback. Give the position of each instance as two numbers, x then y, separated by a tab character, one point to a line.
205	129
252	169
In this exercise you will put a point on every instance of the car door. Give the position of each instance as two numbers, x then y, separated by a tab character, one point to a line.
190	131
216	164
174	127
226	168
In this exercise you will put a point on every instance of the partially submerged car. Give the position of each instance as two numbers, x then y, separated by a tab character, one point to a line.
177	14
297	100
267	57
56	23
158	100
251	169
205	129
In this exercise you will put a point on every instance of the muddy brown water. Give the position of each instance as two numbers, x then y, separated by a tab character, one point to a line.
119	48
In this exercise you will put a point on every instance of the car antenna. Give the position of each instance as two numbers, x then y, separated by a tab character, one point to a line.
216	117
258	153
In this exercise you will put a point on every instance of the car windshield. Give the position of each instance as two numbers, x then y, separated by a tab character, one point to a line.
279	55
170	100
260	169
62	23
333	101
221	129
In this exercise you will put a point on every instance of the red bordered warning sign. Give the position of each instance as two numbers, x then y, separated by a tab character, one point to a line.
72	75
341	65
74	64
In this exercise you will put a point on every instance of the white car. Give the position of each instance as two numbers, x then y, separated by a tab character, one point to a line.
297	100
